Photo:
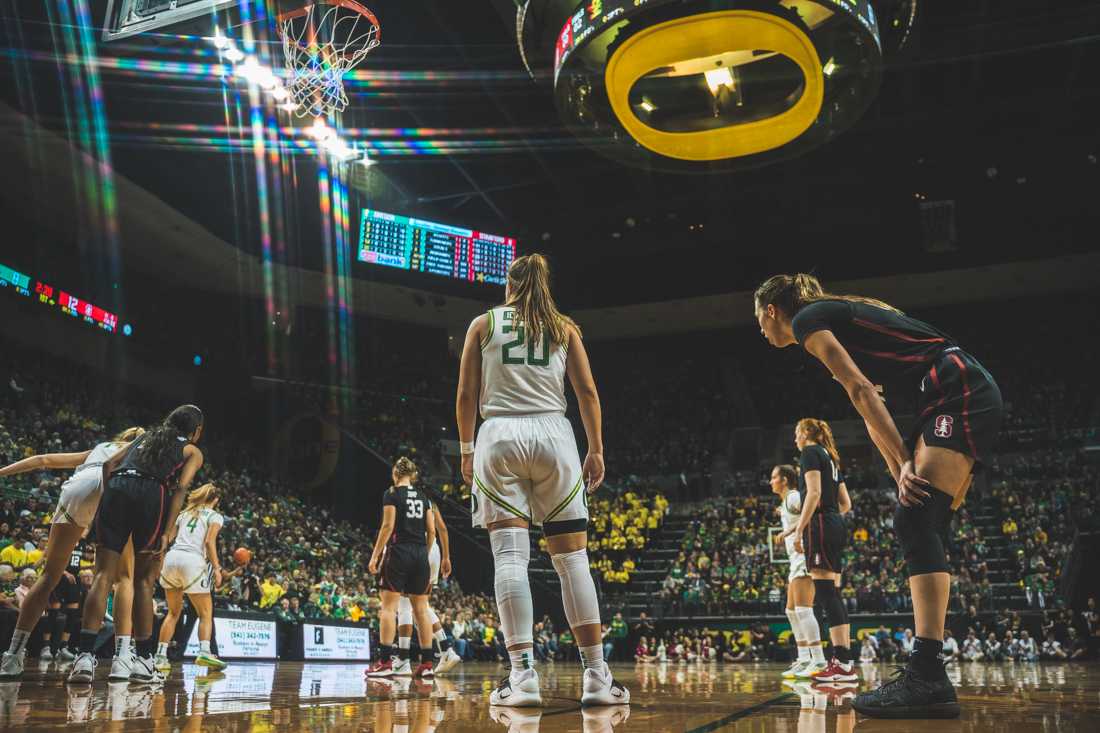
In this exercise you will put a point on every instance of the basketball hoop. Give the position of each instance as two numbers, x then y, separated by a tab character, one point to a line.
322	41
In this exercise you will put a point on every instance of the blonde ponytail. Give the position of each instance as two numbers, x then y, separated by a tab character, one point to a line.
791	293
201	498
529	294
820	433
128	435
405	467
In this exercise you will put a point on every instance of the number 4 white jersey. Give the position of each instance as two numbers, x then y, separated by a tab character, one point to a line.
191	535
518	376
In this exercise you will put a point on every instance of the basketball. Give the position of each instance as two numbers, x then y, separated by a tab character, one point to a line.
242	556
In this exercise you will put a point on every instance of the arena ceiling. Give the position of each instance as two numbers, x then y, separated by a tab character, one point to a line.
995	109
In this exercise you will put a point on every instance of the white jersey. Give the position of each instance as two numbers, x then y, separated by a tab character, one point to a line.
519	377
789	512
191	535
97	457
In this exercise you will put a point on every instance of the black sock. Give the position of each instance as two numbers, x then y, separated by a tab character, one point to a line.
385	652
427	655
87	641
843	654
435	652
444	646
145	647
926	657
403	654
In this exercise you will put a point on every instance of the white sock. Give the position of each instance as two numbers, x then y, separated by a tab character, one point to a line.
578	591
204	646
810	632
404	642
19	641
162	648
511	555
804	654
440	636
122	646
522	660
592	657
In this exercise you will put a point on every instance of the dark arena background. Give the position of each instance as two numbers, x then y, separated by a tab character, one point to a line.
289	213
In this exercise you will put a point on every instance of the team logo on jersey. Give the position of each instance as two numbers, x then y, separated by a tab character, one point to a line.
944	425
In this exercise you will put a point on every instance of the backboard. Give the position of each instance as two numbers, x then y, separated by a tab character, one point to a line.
126	18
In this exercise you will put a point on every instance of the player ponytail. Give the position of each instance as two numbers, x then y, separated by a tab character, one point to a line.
128	435
158	442
529	294
204	497
405	467
819	432
790	293
788	473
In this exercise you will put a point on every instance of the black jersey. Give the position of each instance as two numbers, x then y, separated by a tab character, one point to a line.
163	469
412	507
816	458
82	551
888	347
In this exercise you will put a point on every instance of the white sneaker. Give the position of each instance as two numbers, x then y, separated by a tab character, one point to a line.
121	667
11	666
65	655
402	668
604	719
521	691
45	655
517	720
792	671
602	689
447	662
83	668
808	671
162	665
144	671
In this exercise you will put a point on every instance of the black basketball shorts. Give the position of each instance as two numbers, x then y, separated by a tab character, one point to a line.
960	407
824	541
66	592
405	570
132	506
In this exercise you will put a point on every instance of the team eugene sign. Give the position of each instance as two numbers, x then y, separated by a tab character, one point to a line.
325	641
239	638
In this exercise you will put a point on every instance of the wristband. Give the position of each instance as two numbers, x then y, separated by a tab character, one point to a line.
466	448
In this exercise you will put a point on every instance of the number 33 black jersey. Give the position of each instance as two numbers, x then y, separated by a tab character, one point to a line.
412	507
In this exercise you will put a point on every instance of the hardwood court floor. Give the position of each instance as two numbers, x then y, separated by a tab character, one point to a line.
682	698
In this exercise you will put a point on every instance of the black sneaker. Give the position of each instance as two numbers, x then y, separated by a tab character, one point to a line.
909	695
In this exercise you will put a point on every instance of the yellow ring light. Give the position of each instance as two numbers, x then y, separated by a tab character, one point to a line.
711	34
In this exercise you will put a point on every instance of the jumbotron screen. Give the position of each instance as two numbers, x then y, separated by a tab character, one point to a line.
441	249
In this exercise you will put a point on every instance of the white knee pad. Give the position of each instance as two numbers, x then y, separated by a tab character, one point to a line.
404	612
796	625
578	591
810	630
511	555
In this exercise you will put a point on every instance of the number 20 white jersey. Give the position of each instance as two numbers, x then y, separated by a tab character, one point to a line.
519	377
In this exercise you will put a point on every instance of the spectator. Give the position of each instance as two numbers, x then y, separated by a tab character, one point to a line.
950	647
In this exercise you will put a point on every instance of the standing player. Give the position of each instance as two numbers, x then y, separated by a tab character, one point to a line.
76	509
401	554
865	342
526	470
821	535
800	587
439	560
139	500
192	567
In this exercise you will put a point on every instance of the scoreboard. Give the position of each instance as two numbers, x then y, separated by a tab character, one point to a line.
49	296
440	249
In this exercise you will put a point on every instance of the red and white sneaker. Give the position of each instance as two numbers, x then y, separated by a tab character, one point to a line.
381	669
424	670
836	672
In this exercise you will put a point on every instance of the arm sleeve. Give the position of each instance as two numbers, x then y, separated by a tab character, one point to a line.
824	315
810	461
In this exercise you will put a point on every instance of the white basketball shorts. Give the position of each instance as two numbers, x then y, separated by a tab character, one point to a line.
434	558
527	468
187	571
80	497
798	566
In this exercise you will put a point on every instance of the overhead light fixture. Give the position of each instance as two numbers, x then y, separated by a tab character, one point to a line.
647	105
718	78
829	67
